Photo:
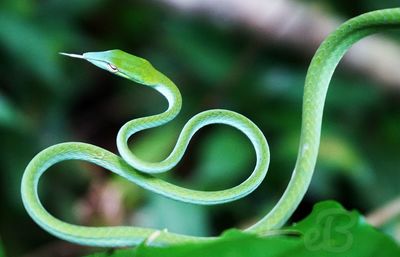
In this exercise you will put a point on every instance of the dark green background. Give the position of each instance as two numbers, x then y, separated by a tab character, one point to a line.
46	98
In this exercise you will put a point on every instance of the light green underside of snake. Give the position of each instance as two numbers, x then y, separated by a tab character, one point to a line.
138	171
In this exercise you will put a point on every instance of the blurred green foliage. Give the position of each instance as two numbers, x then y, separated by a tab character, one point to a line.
1	250
46	99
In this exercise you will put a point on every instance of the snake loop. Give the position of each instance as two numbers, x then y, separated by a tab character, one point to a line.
138	171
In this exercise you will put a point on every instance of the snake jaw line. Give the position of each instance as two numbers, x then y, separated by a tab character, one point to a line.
98	62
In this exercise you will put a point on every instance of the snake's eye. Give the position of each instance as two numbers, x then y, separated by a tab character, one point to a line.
112	68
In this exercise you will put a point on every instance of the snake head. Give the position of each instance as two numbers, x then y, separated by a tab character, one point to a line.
123	64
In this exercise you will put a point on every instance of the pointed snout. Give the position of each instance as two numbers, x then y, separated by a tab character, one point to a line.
80	56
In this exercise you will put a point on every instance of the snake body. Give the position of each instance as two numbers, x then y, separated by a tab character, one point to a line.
139	171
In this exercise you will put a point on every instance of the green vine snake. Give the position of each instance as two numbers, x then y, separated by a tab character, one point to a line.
140	172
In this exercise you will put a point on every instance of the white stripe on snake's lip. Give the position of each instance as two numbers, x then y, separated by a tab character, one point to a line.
80	56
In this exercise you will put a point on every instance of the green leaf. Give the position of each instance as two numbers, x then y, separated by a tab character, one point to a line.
334	230
329	230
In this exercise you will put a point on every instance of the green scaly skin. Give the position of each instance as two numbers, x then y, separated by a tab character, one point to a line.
138	171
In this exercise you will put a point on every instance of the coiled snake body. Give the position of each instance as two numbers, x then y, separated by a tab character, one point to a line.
138	171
